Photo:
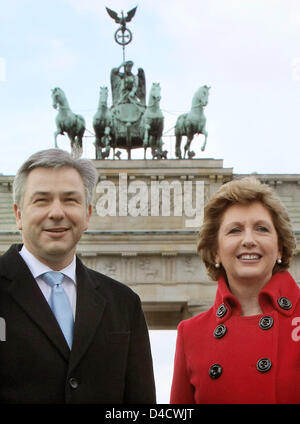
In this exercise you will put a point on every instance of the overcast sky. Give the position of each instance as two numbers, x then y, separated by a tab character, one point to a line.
248	51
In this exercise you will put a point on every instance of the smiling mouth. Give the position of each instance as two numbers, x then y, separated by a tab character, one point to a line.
249	256
56	230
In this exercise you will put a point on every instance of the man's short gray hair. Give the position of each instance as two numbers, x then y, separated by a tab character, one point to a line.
55	158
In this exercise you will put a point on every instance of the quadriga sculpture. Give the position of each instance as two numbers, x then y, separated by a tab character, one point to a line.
192	123
67	121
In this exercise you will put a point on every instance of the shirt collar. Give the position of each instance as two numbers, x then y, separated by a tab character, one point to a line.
37	268
281	285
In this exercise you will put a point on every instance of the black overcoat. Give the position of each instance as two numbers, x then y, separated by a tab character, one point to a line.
110	361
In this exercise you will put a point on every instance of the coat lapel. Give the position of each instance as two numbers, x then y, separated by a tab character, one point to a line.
90	306
25	291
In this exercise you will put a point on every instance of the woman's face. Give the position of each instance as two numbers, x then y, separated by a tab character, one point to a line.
247	244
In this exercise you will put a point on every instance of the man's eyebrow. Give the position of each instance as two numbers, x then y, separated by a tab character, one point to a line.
47	193
40	193
72	192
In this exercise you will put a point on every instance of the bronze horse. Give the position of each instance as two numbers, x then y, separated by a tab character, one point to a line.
192	123
153	123
102	123
67	121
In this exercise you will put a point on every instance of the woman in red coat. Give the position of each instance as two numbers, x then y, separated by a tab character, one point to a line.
246	347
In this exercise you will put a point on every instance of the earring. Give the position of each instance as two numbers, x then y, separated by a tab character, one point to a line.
217	265
279	261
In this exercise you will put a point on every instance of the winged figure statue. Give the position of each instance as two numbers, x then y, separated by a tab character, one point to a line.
127	87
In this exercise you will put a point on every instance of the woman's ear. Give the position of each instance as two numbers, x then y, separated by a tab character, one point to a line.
217	259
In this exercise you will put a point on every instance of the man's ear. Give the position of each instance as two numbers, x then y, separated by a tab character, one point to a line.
18	216
88	216
90	210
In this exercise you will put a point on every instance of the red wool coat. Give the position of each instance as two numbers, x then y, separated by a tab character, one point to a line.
223	357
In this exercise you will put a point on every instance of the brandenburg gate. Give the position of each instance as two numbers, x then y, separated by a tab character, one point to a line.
144	228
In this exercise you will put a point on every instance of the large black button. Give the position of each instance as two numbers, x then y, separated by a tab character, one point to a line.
74	383
284	303
221	311
263	365
220	331
215	371
266	322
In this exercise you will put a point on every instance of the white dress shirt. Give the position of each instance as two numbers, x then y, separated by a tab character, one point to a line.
37	268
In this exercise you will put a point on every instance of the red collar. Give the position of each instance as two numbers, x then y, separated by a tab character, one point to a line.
280	293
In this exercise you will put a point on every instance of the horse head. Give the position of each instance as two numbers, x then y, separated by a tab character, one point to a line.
154	96
201	96
58	97
103	96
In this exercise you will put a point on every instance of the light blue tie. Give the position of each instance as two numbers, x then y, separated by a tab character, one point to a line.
60	304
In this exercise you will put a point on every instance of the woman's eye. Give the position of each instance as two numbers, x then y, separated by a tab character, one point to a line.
234	230
262	229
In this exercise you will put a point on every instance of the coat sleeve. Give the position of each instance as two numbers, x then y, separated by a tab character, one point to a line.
182	391
140	385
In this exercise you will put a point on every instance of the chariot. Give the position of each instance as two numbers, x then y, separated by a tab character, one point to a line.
128	123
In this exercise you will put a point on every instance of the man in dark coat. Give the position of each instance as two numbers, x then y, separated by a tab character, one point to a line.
107	358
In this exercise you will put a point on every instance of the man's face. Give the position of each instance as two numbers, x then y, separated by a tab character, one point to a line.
53	214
